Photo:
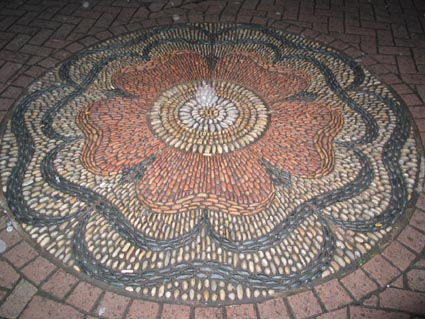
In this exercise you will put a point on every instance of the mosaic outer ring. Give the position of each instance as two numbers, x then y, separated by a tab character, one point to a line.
35	224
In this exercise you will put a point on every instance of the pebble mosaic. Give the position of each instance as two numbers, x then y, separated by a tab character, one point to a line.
209	164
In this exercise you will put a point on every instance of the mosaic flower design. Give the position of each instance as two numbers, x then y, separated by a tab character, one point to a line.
193	151
209	174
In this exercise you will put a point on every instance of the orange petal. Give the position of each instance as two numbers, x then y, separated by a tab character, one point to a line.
270	81
117	135
234	183
149	79
299	139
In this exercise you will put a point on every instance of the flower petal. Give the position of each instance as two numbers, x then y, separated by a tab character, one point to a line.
234	183
149	79
272	82
299	139
117	135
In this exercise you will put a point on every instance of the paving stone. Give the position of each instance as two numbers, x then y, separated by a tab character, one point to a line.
12	92
358	312
175	311
241	311
420	203
420	263
416	279
41	37
45	308
22	81
59	284
398	283
381	270
336	314
403	300
8	70
3	295
84	296
304	304
399	255
16	43
5	104
209	313
37	50
38	270
411	99
112	305
8	275
372	301
406	64
333	295
18	299
20	254
359	284
149	309
272	309
421	91
412	238
10	238
418	218
4	219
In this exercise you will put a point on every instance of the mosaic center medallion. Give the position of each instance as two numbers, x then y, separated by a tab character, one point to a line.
209	164
209	119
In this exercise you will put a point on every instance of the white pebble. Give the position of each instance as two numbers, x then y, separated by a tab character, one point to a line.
3	246
102	310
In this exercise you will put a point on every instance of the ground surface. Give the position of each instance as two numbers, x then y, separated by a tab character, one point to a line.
384	38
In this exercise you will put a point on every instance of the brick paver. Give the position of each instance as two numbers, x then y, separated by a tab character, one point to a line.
241	311
336	314
399	255
38	270
359	284
175	311
416	279
387	37
304	304
8	276
18	299
149	309
59	284
372	301
412	238
333	295
209	313
367	313
381	270
3	295
418	217
10	238
112	305
403	300
45	308
84	296
20	254
274	308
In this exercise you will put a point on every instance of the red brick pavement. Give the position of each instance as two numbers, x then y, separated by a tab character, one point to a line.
388	37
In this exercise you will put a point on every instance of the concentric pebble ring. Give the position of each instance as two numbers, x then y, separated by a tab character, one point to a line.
208	119
209	164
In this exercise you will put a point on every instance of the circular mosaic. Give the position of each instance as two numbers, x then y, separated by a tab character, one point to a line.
209	164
